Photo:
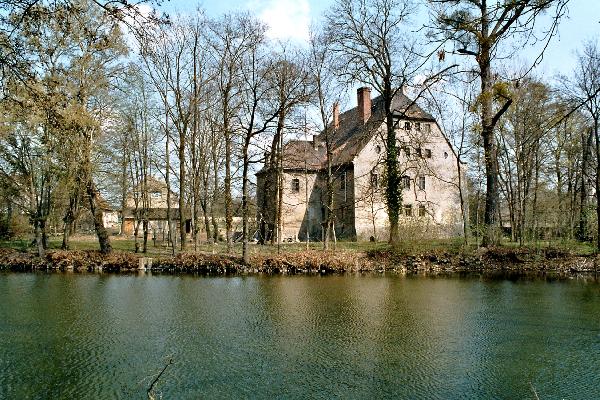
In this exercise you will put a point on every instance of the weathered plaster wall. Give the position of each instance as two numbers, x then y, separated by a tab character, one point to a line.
359	207
440	196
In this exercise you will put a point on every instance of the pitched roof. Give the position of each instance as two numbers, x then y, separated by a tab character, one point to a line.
351	136
300	154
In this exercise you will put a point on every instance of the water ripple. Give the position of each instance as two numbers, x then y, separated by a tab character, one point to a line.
106	337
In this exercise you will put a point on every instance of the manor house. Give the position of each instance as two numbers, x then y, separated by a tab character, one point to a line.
431	201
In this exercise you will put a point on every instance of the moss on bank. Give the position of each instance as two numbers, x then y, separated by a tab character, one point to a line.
503	259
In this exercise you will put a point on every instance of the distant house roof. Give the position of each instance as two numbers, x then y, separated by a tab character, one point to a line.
154	185
350	137
103	204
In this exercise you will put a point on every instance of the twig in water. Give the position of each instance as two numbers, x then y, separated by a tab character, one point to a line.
534	392
150	391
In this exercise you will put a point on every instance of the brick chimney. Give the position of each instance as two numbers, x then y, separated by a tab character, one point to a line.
363	95
336	116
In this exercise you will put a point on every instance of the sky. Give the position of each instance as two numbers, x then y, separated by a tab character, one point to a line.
291	19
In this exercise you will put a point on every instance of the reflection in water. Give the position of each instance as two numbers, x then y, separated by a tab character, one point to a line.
104	336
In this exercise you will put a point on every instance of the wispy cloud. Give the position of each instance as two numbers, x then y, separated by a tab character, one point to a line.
287	19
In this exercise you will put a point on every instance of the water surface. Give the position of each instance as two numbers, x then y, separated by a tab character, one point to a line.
96	336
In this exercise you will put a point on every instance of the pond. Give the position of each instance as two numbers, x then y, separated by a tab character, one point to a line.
102	336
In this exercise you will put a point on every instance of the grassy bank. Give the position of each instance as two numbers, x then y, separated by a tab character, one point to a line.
292	258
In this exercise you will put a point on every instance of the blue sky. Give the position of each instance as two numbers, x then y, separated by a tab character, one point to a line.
292	18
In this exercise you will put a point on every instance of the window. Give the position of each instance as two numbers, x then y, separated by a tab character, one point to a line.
418	152
295	185
374	180
156	195
406	182
427	153
427	128
421	183
377	149
407	126
408	210
421	210
445	154
407	150
417	126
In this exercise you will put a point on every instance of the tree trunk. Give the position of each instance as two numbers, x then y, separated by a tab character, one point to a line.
68	222
329	210
274	164
39	242
136	233
69	218
597	136
228	201
491	234
393	191
182	215
103	239
245	255
279	199
171	234
204	205
582	233
461	195
213	218
145	233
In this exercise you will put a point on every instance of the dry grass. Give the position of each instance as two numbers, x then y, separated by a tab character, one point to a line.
438	255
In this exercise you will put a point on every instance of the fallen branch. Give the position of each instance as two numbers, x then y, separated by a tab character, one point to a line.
150	391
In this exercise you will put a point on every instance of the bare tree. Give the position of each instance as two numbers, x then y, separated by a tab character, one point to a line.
255	116
289	79
478	28
587	90
229	39
169	57
327	101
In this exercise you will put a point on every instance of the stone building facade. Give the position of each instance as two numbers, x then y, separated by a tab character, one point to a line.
431	177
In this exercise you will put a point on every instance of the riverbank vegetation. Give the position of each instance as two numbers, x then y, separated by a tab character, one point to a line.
447	256
98	98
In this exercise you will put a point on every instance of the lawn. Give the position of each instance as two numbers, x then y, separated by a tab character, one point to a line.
453	246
